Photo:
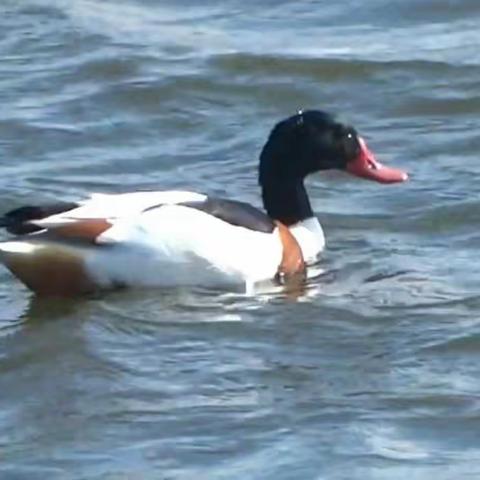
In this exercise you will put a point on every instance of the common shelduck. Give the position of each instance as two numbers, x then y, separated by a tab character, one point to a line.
167	238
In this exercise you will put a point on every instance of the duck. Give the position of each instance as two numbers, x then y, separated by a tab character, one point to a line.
168	238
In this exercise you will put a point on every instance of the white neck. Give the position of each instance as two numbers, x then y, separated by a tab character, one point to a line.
310	237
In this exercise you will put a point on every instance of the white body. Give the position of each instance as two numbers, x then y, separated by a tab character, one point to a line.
170	245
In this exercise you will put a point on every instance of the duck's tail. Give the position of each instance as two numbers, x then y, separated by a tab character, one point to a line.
20	221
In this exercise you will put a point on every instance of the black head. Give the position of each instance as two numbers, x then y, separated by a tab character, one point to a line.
306	143
309	142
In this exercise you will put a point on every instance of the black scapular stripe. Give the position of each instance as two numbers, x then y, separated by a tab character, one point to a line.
236	213
17	221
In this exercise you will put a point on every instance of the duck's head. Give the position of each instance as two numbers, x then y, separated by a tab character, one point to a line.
309	142
312	141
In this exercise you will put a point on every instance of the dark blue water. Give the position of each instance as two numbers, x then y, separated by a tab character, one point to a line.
374	372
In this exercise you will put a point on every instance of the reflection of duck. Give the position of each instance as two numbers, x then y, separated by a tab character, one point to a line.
176	237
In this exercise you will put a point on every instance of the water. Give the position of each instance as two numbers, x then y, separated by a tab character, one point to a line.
373	373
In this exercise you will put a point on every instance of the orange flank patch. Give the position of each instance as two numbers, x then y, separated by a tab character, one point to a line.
292	264
51	270
88	229
55	265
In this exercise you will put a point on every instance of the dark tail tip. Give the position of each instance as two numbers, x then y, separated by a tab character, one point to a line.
18	221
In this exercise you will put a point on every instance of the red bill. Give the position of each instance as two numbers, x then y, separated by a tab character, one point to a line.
366	166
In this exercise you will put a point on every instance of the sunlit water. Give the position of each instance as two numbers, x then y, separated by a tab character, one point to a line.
374	372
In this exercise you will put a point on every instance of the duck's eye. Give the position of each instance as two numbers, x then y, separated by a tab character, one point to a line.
350	144
350	138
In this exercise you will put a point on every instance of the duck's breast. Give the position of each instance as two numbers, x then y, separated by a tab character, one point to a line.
309	235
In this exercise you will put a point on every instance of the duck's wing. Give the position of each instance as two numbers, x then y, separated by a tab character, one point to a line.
94	214
235	213
130	206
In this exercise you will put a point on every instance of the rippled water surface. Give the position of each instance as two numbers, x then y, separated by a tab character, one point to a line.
375	372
